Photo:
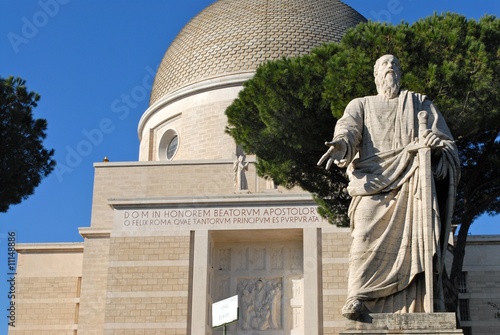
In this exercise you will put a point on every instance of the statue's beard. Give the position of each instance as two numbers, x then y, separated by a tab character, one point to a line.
388	84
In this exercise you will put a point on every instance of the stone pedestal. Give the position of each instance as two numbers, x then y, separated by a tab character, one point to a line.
411	323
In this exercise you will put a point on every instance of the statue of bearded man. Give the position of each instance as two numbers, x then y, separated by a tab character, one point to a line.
374	140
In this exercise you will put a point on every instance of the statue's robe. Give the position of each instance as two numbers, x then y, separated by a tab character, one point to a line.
386	261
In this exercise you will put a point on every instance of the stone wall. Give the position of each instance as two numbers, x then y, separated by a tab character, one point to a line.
47	289
335	262
148	281
94	282
197	116
481	289
167	179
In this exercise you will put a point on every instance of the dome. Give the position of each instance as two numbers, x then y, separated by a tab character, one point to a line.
234	36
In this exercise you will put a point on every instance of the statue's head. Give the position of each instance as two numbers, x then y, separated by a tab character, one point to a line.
387	73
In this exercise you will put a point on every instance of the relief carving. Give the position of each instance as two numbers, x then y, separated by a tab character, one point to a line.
260	303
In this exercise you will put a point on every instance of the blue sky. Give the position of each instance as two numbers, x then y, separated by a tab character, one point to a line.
83	58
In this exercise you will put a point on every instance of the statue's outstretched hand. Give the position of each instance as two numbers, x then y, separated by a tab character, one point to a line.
335	154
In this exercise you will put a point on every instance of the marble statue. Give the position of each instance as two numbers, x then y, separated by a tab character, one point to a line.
239	168
376	140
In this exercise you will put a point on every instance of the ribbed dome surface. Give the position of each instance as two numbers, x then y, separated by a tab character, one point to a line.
233	36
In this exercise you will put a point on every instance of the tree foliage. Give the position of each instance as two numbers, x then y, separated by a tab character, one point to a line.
24	162
282	118
288	110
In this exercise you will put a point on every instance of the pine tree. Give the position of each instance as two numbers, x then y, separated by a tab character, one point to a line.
24	161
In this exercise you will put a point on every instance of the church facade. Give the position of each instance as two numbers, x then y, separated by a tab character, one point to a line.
191	223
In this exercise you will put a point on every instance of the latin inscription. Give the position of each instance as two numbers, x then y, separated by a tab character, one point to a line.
219	216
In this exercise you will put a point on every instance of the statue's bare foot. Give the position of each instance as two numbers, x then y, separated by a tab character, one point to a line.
352	309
